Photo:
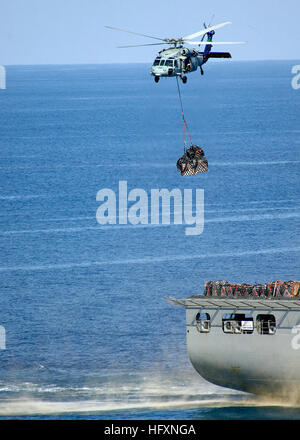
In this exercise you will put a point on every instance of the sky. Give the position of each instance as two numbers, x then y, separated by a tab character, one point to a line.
73	31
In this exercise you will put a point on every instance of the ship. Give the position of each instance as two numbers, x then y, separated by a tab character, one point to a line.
248	342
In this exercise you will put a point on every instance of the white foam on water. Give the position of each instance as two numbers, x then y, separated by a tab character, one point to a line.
25	407
254	217
103	228
145	165
23	197
282	208
160	393
210	211
257	202
136	393
149	260
253	163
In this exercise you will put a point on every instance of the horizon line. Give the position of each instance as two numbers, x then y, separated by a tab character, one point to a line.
145	62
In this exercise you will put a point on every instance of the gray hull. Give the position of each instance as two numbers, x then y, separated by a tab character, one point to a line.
256	361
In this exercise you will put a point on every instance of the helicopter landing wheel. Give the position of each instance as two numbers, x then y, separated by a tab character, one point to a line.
184	79
156	79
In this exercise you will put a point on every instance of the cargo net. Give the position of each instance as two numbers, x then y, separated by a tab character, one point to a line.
192	162
272	289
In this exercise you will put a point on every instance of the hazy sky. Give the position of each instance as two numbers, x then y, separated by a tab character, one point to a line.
72	31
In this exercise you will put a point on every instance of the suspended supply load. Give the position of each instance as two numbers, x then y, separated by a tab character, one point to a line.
268	290
193	160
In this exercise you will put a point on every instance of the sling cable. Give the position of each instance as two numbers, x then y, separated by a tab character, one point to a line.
193	160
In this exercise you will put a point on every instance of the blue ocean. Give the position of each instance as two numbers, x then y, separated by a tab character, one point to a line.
89	333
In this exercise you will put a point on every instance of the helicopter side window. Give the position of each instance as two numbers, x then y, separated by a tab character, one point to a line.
176	63
162	63
169	63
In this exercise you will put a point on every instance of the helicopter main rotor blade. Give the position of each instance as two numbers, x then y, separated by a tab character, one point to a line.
135	33
215	42
140	45
203	32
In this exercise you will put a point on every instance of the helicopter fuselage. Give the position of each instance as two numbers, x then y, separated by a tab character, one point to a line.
176	61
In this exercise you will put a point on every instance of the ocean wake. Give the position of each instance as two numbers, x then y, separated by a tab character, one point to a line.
136	393
141	395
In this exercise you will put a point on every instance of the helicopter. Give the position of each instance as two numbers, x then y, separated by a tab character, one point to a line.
178	60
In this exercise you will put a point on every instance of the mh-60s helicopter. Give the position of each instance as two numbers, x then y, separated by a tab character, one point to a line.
178	60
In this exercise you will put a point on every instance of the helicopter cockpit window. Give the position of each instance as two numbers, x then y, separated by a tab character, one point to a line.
169	63
156	62
162	63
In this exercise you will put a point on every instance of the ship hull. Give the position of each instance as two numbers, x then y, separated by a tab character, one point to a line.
252	362
252	366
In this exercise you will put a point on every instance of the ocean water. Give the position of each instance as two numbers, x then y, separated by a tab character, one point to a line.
88	331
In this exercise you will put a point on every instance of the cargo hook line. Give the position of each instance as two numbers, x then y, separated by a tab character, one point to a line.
183	118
